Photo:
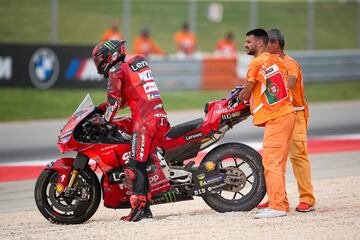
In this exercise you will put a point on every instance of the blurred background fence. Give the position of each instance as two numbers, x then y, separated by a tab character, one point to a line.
309	24
316	33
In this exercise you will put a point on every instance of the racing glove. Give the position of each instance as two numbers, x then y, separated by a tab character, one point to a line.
234	102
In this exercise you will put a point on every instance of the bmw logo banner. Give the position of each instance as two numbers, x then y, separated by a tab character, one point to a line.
45	67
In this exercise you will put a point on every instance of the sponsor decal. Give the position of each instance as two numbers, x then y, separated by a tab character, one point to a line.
216	187
213	179
150	168
138	65
150	87
107	148
230	115
153	95
221	111
199	191
201	176
159	106
170	196
193	136
110	45
82	70
146	75
153	179
63	177
116	176
44	68
5	68
133	145
142	147
160	115
210	166
59	188
272	69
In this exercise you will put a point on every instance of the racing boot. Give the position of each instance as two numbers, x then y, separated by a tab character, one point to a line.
138	203
147	210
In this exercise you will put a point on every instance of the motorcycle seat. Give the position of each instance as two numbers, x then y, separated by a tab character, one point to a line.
184	128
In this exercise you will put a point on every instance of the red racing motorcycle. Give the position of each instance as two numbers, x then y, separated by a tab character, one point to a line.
228	178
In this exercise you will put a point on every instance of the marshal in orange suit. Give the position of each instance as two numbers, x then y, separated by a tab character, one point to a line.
271	107
298	149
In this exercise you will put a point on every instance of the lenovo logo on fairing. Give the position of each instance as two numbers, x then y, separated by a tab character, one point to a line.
193	136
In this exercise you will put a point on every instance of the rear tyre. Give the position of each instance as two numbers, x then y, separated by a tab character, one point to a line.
76	207
245	163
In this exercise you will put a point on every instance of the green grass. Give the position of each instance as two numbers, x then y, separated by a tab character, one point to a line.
26	104
83	21
332	91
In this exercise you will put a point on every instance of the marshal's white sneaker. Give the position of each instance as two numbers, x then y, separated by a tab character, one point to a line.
270	213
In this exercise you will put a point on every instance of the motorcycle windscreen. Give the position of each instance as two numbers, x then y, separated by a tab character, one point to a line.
83	110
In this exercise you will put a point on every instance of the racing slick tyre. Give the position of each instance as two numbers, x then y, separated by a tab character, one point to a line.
244	164
69	207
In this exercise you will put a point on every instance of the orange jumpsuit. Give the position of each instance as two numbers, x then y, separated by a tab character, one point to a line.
185	42
298	148
270	104
146	46
111	35
226	48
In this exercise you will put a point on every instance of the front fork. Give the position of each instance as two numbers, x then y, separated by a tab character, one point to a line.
80	162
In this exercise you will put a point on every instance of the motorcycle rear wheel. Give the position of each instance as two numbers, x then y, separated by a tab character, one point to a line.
77	208
245	162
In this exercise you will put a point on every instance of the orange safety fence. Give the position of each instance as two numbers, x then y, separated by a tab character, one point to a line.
219	73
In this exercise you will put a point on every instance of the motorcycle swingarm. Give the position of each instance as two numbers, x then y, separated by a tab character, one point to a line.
206	182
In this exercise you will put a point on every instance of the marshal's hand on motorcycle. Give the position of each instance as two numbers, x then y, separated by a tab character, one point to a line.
234	102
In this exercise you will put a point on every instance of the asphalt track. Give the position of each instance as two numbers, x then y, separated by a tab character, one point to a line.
36	140
26	142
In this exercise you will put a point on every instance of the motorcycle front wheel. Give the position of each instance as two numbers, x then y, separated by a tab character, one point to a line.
70	207
242	165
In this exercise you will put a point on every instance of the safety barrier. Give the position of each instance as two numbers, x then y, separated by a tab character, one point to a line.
50	66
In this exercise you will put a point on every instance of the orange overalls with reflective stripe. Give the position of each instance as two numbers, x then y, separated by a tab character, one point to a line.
298	148
271	106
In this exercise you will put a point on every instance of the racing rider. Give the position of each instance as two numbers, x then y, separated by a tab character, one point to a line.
132	84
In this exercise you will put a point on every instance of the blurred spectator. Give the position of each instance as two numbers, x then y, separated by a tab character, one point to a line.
185	40
144	45
112	33
226	47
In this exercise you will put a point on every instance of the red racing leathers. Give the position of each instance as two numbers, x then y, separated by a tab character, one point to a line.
131	83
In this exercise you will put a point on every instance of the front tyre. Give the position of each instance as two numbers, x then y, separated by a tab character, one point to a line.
72	207
243	163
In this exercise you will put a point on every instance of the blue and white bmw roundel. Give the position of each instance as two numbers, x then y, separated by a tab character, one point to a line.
43	68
